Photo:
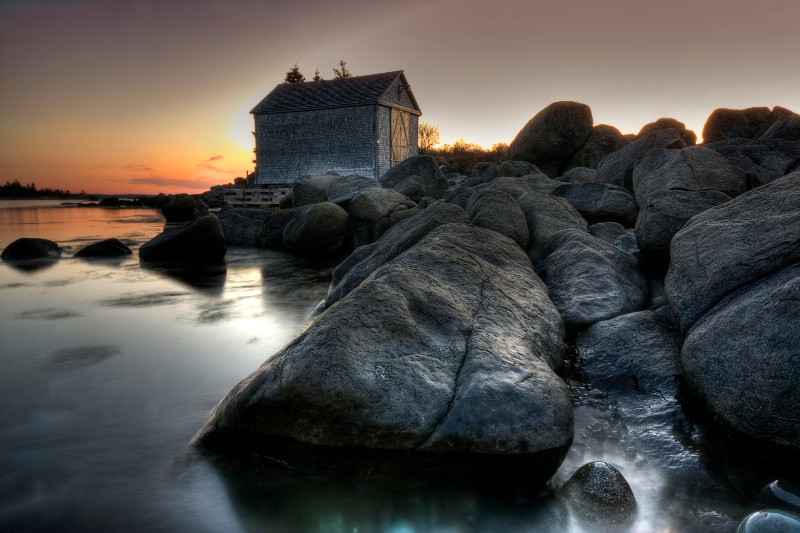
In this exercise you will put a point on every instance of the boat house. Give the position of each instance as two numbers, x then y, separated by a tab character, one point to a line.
358	125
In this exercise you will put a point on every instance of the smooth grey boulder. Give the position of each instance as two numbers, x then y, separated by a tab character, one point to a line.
308	190
632	355
590	280
616	234
413	187
546	215
183	208
458	196
742	358
200	241
695	168
579	175
242	226
515	187
318	229
373	211
688	136
442	358
424	166
552	136
355	257
600	202
733	244
763	161
498	211
617	168
769	521
105	248
342	189
516	169
27	248
785	125
603	140
271	233
723	124
601	497
662	216
397	240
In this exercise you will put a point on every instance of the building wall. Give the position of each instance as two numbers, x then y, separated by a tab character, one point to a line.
384	139
291	145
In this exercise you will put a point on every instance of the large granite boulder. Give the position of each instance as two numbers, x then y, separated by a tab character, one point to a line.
547	215
579	175
688	136
105	248
785	125
600	202
412	187
344	188
271	233
184	208
200	240
553	136
27	248
590	280
732	245
441	360
318	229
500	212
308	190
742	357
723	124
242	226
762	161
695	168
397	240
424	166
617	168
662	216
603	140
373	211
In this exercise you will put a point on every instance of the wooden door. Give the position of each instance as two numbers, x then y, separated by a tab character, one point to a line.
399	136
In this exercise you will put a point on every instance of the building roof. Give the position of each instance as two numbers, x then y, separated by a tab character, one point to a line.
340	92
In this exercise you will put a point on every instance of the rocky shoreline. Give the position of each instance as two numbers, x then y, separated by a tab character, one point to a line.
666	273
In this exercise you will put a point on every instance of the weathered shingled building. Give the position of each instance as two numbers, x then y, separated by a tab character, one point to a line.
358	125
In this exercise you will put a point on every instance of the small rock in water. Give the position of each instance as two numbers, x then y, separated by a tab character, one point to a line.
770	521
781	494
599	495
28	248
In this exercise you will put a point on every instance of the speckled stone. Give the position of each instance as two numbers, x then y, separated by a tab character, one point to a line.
599	494
770	521
781	494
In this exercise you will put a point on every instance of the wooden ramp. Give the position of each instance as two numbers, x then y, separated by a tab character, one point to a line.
270	196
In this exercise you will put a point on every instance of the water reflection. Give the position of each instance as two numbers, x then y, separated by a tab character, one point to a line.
32	265
209	278
80	356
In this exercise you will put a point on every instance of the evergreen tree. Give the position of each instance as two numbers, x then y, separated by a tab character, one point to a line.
316	77
294	75
344	73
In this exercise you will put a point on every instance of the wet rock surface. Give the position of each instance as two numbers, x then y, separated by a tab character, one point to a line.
104	248
31	248
201	240
601	497
770	521
413	361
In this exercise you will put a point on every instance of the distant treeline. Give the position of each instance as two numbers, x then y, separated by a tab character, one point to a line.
14	189
461	156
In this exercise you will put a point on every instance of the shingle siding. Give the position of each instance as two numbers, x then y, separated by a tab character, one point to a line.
313	142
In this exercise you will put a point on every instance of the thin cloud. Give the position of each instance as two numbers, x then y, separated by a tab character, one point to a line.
138	168
206	164
164	182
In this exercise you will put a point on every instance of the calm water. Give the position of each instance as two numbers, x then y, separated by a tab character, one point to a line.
109	368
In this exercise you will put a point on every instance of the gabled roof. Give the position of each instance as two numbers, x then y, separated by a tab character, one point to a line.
341	92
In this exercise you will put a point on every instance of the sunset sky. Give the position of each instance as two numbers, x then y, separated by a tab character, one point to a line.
147	96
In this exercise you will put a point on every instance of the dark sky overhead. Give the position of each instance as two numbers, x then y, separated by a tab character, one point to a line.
148	96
